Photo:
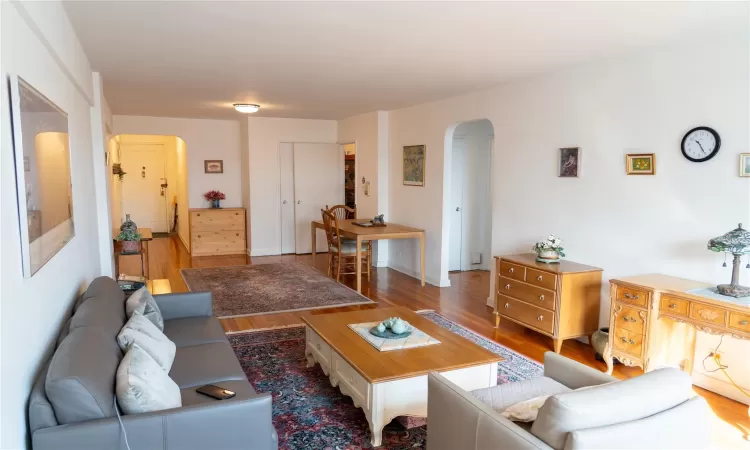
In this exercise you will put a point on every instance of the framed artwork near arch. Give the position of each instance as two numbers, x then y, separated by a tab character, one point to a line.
414	164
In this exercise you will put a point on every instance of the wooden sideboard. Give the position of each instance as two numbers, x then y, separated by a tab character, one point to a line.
217	231
560	300
654	319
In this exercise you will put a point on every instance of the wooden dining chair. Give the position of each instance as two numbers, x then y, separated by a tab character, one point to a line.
342	251
343	212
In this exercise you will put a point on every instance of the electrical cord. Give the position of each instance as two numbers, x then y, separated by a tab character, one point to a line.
721	367
122	427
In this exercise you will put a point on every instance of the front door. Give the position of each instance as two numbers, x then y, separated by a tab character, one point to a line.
142	195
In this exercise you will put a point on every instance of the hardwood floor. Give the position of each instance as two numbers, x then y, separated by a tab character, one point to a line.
463	302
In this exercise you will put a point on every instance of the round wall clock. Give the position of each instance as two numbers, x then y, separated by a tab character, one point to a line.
701	144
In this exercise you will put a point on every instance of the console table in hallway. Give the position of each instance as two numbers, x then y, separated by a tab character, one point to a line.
349	230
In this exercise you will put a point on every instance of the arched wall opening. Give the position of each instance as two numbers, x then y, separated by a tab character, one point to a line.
148	179
467	198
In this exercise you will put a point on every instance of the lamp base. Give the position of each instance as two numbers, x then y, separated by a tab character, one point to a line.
733	290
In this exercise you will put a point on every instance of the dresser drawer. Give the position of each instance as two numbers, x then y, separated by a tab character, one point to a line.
628	341
709	314
630	319
358	388
739	321
217	220
532	316
526	292
217	242
510	270
318	346
674	305
544	280
633	296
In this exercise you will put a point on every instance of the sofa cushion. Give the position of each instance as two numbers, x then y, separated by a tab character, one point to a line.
101	287
504	395
143	302
41	413
194	331
105	313
610	404
139	330
241	388
142	385
205	364
80	382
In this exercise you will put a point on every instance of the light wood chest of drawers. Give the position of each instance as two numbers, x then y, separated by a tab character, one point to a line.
219	231
559	300
654	319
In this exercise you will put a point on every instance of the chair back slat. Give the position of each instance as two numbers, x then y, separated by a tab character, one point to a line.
343	212
331	227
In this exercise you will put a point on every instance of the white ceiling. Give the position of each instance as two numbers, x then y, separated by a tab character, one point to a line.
331	60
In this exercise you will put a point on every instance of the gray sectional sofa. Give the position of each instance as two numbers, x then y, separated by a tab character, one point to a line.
72	402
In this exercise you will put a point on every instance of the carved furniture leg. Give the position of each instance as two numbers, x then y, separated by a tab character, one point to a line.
558	345
607	355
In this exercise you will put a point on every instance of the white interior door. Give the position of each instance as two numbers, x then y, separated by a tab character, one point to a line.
458	175
318	181
142	196
286	163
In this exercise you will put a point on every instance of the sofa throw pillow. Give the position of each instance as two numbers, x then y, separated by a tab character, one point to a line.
528	410
143	302
142	386
140	330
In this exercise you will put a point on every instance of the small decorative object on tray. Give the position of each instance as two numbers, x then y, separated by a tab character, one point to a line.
392	328
737	244
130	283
549	250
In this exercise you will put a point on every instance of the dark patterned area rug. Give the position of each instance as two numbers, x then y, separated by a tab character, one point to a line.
308	413
269	288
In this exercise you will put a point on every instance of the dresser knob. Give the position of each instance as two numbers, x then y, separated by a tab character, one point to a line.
199	214
632	342
507	305
673	305
236	234
510	270
627	295
541	298
507	286
628	341
318	346
539	278
743	322
540	318
199	235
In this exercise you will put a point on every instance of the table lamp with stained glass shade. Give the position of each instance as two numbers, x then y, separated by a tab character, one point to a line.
736	242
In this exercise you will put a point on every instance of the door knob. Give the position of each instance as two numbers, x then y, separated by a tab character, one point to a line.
299	201
284	202
458	209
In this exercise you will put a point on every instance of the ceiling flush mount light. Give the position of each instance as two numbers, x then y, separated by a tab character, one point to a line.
246	108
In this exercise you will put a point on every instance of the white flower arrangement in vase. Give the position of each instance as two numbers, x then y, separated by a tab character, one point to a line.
550	249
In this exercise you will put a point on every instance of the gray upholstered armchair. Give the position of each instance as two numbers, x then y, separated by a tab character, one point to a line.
657	410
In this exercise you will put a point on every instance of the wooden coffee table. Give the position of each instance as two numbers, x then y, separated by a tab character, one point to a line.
394	383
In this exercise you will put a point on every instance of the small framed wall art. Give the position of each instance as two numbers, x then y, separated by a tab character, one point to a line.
570	162
640	163
213	166
745	164
414	164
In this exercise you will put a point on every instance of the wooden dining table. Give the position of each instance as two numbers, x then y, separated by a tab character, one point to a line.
349	230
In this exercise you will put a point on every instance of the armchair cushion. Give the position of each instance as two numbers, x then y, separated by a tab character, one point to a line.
614	403
502	396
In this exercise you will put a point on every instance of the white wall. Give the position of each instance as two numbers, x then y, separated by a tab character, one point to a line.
264	136
624	224
204	139
38	44
182	192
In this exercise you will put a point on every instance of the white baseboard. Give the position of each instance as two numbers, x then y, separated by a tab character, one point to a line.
381	263
414	274
720	387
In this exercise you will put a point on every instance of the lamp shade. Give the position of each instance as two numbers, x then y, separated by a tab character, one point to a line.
736	242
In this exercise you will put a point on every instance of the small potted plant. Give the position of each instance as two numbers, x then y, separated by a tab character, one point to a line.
215	197
130	239
549	250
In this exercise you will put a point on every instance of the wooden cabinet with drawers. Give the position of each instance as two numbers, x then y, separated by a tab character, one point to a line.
219	231
560	300
654	319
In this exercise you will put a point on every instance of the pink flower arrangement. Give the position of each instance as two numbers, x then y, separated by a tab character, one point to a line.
214	195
